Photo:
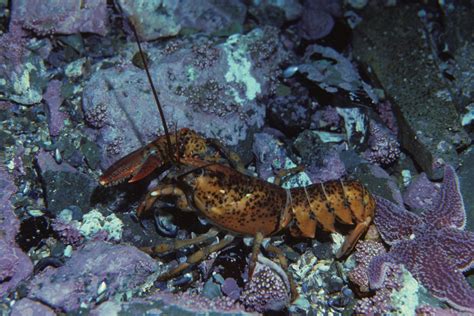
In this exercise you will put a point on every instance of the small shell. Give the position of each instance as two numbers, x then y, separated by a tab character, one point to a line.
58	157
290	71
102	288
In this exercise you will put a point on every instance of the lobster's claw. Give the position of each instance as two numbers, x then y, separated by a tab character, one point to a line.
135	166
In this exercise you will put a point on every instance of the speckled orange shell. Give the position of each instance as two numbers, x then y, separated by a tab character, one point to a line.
140	163
324	203
240	203
247	205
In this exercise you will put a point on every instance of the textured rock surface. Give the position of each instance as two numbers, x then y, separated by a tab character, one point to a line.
15	266
22	71
27	307
97	270
430	126
63	17
164	18
219	102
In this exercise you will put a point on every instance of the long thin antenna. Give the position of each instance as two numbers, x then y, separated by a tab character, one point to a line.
155	94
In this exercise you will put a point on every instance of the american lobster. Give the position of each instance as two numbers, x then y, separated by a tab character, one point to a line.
206	180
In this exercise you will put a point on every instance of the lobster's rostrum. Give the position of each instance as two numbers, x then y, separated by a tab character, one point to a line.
210	180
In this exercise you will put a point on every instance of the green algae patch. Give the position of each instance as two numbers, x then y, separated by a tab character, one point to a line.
240	68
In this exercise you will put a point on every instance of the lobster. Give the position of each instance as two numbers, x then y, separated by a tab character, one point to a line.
209	179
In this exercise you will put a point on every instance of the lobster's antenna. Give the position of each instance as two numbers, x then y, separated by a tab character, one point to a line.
155	94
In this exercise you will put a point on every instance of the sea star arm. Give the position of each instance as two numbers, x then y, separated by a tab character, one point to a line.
449	211
394	222
458	246
378	269
438	274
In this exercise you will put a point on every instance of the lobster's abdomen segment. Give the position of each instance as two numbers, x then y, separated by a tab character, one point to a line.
324	203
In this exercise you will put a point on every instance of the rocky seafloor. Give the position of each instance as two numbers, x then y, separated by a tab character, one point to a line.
378	91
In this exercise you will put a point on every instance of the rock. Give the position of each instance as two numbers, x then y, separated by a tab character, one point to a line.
28	307
165	18
213	16
270	153
321	159
291	112
269	288
421	193
97	270
139	234
61	17
23	73
46	162
152	19
15	266
330	70
466	184
376	179
212	91
67	188
9	224
318	18
64	185
275	12
53	99
166	303
430	127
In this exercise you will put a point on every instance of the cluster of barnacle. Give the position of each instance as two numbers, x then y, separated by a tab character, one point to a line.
384	147
206	98
206	54
266	291
114	147
97	115
265	48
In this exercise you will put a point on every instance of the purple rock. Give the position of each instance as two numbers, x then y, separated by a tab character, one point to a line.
9	224
421	193
82	278
271	155
166	303
53	99
46	163
61	17
321	159
216	101
332	168
19	67
28	307
231	289
318	18
15	266
156	19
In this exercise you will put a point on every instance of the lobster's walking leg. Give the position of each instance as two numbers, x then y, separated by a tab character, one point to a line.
257	242
172	245
164	190
353	237
196	257
284	264
360	228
